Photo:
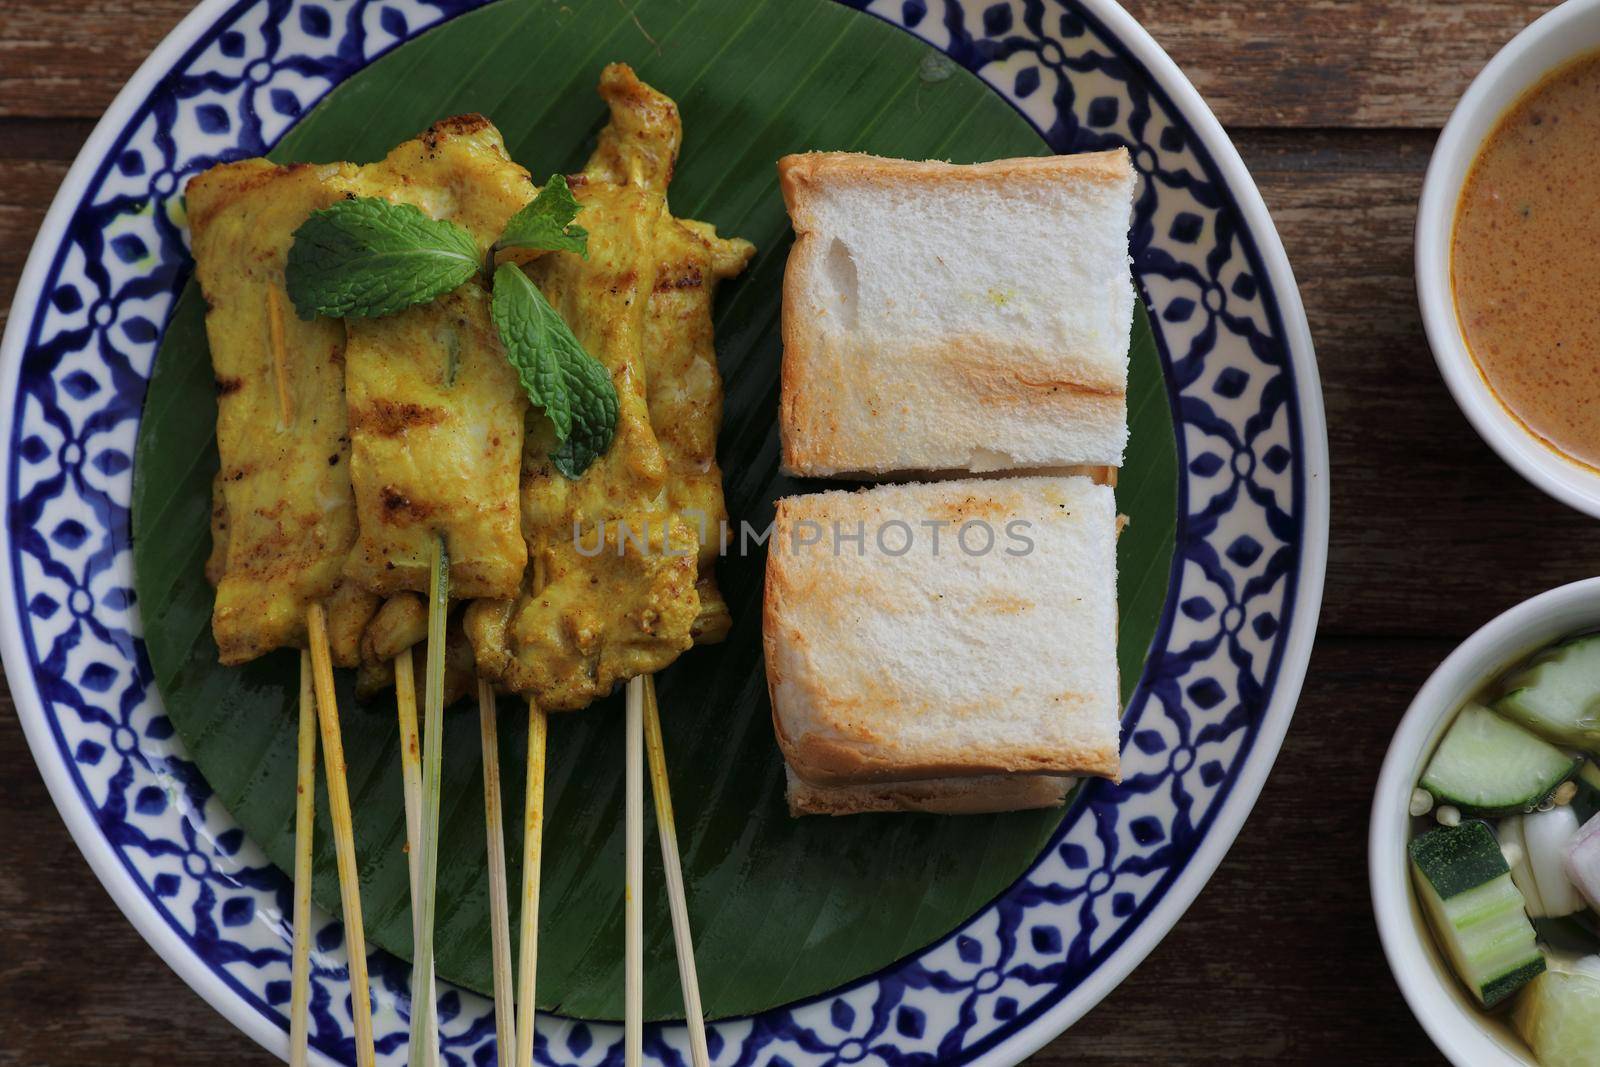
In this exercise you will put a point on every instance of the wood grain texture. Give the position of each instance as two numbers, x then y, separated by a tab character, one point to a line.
67	60
1335	105
1258	62
1333	63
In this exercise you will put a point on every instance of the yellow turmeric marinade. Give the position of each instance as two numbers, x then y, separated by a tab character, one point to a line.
685	391
283	515
436	412
610	592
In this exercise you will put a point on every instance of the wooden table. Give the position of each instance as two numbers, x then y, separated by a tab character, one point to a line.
1335	105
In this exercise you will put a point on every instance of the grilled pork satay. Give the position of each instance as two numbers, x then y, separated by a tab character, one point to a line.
284	516
685	391
401	625
610	592
349	607
603	298
436	412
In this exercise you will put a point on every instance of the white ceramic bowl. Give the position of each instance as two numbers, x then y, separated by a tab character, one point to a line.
1468	1036
1565	33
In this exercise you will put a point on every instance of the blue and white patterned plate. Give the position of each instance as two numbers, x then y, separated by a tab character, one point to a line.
1201	733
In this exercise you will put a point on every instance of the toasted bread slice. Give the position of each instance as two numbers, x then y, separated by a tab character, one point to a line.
892	659
945	317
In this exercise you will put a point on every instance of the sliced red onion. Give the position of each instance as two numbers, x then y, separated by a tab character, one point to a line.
1546	835
1582	862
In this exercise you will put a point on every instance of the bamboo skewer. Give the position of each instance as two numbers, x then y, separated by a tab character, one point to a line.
532	859
344	842
405	691
305	802
505	1015
672	867
633	890
423	1007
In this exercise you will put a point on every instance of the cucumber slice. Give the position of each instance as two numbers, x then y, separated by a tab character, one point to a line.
1488	765
1558	695
1475	910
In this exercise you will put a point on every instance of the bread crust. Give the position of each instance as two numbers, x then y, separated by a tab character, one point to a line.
949	796
797	171
791	335
826	761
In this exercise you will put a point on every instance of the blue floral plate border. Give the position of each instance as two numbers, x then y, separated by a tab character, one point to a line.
1200	735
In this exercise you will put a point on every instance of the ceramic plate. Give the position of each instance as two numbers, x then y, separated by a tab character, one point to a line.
1200	734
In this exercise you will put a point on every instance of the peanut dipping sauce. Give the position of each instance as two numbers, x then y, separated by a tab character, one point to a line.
1525	260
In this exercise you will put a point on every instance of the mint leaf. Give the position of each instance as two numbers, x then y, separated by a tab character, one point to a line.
547	222
366	257
560	378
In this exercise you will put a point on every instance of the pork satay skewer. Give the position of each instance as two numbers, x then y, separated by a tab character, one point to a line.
318	657
640	612
284	499
305	784
436	418
685	401
529	646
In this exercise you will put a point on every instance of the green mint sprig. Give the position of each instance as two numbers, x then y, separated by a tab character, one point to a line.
571	386
546	222
366	258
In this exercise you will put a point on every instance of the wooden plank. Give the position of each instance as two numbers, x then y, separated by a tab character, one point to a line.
67	59
26	188
1333	62
1257	62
